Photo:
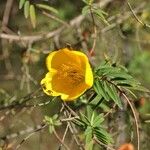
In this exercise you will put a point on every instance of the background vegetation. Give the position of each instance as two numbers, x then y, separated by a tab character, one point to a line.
115	34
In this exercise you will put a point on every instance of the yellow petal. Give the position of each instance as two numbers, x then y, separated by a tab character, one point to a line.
56	58
70	74
76	92
88	70
47	86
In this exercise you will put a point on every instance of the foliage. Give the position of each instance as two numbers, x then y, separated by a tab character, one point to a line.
101	115
29	9
52	122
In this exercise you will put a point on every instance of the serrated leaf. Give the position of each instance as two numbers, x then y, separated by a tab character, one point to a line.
26	9
85	10
112	92
99	88
21	3
47	7
33	15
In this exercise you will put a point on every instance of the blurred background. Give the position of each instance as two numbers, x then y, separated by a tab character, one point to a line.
22	60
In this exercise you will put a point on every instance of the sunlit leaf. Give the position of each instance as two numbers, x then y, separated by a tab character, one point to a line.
89	2
33	15
88	138
99	88
85	10
98	120
112	92
51	129
101	14
47	7
26	9
21	3
102	135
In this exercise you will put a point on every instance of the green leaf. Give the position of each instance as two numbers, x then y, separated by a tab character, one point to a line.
129	91
26	9
102	135
21	3
51	129
112	92
47	119
98	120
84	119
57	123
85	10
85	1
89	112
139	88
99	88
88	2
100	13
55	116
80	123
104	107
88	138
47	7
92	118
33	15
96	100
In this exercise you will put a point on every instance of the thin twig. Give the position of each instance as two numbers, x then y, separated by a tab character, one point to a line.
95	32
136	17
22	100
65	133
7	13
100	143
133	111
136	121
122	18
34	38
66	113
56	18
38	129
61	141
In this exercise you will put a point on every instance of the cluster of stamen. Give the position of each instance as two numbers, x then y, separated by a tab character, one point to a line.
72	73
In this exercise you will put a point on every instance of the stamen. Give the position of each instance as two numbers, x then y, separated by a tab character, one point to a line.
72	73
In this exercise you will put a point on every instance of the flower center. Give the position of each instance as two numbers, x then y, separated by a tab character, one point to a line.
72	73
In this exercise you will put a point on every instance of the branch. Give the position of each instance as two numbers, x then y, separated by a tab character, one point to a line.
136	17
33	38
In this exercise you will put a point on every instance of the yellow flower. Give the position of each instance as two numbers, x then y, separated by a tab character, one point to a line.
69	76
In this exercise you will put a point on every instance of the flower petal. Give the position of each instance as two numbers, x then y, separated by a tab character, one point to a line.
76	92
87	68
70	74
47	86
62	56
